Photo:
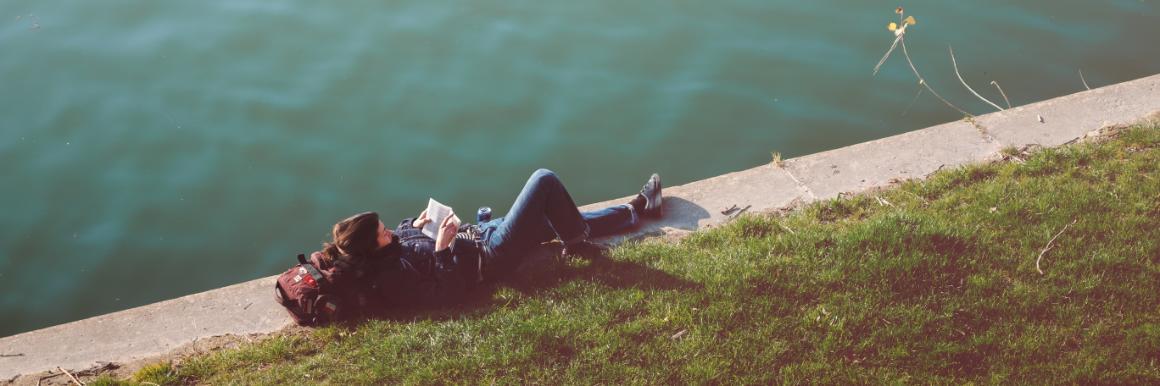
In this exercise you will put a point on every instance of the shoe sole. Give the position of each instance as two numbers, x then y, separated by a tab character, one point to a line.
660	199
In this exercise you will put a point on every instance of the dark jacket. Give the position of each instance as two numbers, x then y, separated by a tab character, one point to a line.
410	273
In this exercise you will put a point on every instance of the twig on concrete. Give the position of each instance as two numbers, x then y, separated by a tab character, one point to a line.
740	211
70	376
11	355
1005	100
1081	79
729	210
1048	247
940	167
38	381
955	63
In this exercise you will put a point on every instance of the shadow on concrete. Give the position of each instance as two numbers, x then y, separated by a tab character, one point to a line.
679	214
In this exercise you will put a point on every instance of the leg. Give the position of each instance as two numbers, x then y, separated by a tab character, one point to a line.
543	211
610	220
617	218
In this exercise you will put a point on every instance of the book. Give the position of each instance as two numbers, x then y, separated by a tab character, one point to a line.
437	212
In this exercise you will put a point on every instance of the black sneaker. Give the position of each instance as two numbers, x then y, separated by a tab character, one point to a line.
648	202
585	249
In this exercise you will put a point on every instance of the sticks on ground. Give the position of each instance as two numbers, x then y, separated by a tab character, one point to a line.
74	378
50	375
739	212
1048	247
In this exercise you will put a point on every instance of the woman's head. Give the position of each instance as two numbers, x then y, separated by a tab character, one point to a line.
358	235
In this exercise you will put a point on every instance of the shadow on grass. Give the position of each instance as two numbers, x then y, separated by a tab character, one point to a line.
546	269
543	270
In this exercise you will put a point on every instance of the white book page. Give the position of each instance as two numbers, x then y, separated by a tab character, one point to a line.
437	212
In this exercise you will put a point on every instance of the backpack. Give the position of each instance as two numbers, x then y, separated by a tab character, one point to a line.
310	293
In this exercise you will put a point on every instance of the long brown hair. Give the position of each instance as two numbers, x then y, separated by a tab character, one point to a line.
356	236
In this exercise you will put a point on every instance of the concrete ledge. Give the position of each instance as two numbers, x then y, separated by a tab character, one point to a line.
249	307
1070	117
699	204
910	155
146	331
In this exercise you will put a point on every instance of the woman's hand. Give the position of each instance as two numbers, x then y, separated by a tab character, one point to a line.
447	231
422	220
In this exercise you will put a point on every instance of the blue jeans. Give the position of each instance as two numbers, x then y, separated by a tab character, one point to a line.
544	211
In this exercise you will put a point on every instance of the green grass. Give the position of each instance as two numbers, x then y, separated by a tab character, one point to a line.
935	283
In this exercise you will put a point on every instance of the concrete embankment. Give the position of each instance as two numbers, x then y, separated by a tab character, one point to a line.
248	308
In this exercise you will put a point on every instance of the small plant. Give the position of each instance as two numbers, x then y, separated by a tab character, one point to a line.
777	161
1009	151
155	374
899	30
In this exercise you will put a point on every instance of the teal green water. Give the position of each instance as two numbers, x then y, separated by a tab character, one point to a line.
154	149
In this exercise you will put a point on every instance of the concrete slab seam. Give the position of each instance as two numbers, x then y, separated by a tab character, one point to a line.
799	183
982	130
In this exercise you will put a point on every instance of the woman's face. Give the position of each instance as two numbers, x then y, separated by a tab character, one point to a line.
384	235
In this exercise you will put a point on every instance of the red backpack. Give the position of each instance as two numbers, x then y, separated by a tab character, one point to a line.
309	292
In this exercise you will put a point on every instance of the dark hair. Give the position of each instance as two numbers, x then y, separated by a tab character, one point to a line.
357	236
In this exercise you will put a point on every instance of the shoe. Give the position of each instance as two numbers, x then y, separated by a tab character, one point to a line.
585	249
648	202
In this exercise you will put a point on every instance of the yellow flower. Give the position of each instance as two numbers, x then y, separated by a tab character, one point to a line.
898	11
910	20
892	26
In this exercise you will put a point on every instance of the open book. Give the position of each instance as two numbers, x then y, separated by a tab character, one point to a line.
437	213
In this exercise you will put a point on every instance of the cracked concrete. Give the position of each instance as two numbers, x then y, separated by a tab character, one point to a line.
248	307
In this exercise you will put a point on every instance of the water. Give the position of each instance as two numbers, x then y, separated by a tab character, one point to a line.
155	149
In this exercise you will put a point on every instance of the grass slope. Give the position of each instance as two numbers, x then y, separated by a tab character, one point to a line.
933	281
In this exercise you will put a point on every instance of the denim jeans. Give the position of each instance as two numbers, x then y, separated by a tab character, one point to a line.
544	211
